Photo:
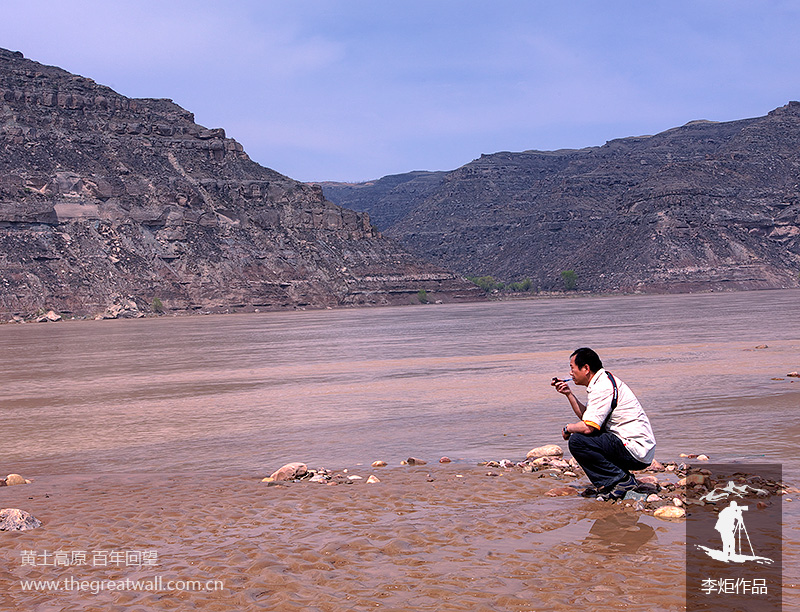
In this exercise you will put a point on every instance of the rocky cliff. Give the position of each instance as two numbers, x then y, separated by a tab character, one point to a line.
105	198
705	206
389	199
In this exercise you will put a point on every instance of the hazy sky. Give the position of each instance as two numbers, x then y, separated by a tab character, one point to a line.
357	89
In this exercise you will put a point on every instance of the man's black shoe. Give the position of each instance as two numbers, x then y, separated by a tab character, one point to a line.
620	489
593	492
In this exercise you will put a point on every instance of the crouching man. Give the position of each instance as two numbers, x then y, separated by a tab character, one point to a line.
613	436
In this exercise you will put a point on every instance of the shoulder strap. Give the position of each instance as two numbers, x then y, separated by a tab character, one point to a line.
614	399
616	391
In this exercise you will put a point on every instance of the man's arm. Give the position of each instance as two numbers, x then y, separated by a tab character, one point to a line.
577	407
579	427
564	389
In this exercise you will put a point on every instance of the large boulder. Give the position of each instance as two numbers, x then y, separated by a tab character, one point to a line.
16	479
548	450
290	471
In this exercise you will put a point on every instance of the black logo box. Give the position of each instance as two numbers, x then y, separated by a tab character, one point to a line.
734	537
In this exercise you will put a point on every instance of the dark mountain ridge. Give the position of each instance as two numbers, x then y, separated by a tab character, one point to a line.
105	198
706	206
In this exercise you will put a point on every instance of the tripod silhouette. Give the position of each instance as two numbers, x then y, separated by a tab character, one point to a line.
738	530
730	525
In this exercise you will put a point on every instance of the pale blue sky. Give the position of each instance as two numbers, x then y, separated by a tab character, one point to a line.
354	90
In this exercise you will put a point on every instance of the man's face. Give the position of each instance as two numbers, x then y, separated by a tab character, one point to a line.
580	376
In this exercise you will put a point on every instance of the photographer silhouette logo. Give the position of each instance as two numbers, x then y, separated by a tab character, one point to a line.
731	528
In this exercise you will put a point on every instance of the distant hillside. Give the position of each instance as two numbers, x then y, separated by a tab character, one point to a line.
387	200
705	206
106	199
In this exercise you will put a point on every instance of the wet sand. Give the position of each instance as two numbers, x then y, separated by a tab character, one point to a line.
435	537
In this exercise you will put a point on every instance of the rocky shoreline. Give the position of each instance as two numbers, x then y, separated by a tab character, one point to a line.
666	490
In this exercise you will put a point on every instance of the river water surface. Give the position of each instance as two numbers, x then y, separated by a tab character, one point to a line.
247	393
154	434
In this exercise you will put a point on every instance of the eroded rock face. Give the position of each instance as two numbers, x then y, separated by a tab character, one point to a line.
705	206
103	195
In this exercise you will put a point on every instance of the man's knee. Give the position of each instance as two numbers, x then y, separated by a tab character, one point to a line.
577	442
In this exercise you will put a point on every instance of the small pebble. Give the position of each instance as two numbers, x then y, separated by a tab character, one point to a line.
561	492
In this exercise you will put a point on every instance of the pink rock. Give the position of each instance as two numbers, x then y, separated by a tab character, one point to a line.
445	460
290	471
693	479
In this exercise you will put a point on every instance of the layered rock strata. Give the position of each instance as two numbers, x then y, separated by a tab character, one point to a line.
706	206
105	198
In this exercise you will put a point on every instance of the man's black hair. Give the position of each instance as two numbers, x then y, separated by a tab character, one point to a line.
586	356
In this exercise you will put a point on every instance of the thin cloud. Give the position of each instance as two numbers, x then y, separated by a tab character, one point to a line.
327	89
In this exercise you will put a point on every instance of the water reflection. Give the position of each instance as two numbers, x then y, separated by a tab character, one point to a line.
622	532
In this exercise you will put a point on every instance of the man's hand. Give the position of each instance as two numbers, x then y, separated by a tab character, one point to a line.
561	386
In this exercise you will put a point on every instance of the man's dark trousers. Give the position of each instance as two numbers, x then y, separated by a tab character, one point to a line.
603	457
